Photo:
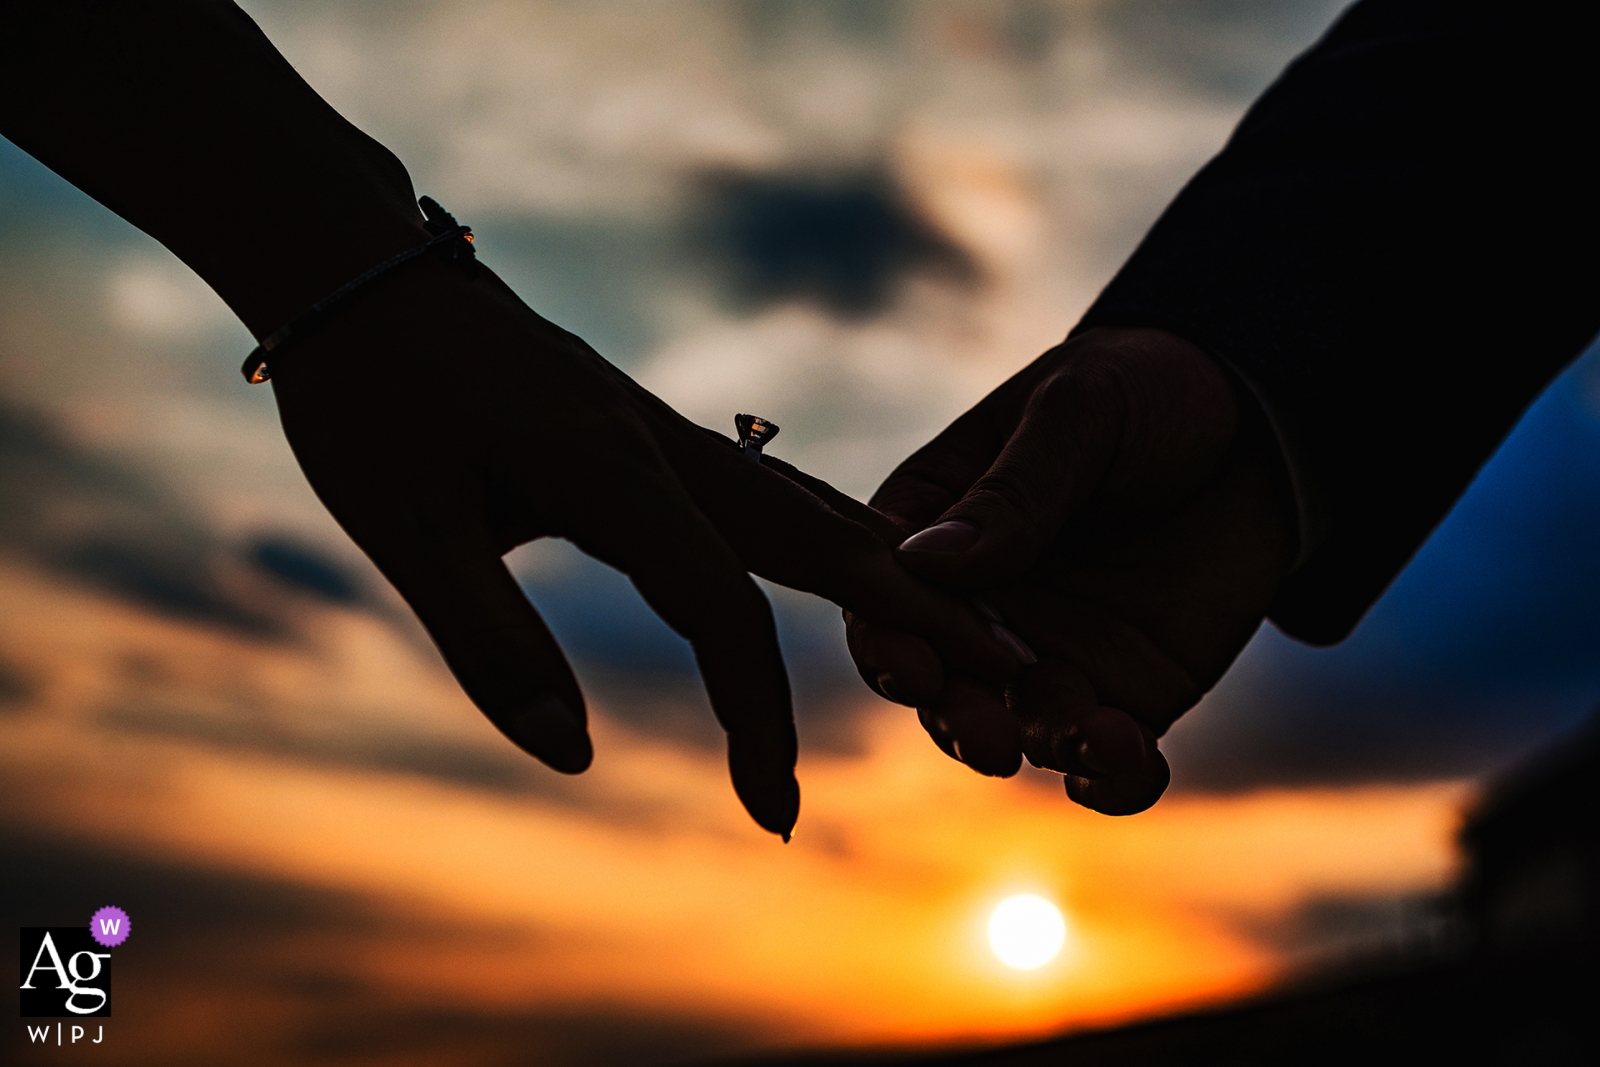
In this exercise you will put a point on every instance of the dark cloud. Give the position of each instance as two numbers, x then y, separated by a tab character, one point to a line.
303	567
840	240
16	687
1326	930
167	574
96	521
334	740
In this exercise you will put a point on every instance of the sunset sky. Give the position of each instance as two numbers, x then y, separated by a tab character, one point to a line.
214	714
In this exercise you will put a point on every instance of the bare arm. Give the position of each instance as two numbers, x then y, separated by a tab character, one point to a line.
440	419
181	117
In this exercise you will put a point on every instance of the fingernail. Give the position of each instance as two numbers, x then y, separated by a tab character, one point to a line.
886	687
778	810
1105	744
1014	643
551	731
939	730
775	806
952	536
984	608
763	778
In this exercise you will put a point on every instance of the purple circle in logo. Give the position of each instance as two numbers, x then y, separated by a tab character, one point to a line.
110	926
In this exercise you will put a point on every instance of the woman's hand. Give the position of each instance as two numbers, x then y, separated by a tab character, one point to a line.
1116	505
440	419
443	423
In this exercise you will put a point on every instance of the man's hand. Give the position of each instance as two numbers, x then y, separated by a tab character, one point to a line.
1120	505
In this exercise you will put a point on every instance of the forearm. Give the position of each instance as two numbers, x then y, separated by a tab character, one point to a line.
180	116
1394	251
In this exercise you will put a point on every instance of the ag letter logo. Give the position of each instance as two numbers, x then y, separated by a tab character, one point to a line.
65	973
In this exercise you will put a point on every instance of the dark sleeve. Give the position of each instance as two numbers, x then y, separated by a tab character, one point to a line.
1396	250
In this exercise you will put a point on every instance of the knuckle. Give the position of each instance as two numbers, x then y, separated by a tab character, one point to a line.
1008	499
1086	390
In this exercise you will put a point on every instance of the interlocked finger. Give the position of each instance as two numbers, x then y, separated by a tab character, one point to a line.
1110	760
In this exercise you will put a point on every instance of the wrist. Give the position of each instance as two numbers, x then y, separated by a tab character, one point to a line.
448	240
182	118
293	248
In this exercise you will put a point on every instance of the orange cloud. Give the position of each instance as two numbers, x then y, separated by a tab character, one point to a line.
642	883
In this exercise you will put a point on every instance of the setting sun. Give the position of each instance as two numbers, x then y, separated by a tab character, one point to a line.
1026	931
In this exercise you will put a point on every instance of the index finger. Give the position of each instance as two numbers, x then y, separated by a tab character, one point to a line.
784	532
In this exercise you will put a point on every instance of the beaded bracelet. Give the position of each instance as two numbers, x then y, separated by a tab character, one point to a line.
453	242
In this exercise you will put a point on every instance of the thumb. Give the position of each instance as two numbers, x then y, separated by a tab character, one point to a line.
1057	457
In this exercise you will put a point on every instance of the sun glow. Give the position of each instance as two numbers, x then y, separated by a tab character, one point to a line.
872	927
1026	931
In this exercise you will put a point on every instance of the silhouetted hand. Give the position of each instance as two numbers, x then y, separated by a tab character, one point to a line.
443	422
1119	506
